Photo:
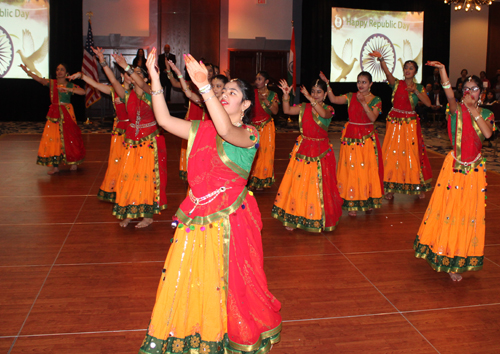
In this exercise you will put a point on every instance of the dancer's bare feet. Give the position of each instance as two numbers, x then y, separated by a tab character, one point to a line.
352	213
124	223
53	170
455	277
73	168
288	228
144	223
389	196
421	195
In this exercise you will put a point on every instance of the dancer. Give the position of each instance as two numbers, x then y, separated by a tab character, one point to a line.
360	172
266	104
213	296
406	166
61	139
143	174
308	197
107	190
451	236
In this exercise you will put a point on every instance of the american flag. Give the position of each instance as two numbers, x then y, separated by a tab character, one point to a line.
89	68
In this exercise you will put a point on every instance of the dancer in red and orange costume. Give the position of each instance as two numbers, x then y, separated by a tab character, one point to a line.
142	179
360	171
406	166
308	197
61	139
213	296
266	105
107	190
451	236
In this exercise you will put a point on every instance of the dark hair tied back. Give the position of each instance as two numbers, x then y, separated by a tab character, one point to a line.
367	75
320	83
248	94
414	64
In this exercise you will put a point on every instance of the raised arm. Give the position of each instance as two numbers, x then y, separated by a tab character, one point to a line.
185	87
101	87
287	109
323	113
120	91
450	95
391	79
178	127
34	76
170	76
138	80
238	136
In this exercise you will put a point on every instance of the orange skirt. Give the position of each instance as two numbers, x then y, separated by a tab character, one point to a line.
358	177
183	161
402	171
107	191
451	236
136	193
262	173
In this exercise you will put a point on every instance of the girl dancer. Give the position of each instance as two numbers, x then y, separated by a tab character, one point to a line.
308	197
451	236
213	296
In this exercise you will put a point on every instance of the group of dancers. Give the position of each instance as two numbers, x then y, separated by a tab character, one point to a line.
213	294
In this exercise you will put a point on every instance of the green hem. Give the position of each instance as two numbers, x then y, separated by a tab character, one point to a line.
106	196
300	222
50	161
362	205
446	264
137	211
257	183
406	188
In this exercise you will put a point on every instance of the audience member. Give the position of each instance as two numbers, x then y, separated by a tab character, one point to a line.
164	74
484	79
458	91
140	60
461	79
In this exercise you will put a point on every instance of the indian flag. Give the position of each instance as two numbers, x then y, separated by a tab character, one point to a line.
291	79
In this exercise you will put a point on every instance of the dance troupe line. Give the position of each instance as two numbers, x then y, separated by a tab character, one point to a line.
213	295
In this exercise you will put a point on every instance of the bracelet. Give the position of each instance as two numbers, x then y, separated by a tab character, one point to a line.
269	105
157	92
103	63
380	59
314	104
286	100
329	89
186	90
169	71
180	76
129	70
205	89
477	118
169	76
445	83
447	86
208	99
128	67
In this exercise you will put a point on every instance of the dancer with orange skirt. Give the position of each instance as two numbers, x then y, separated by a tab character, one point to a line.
451	236
308	197
360	171
406	166
61	139
142	179
213	296
266	104
107	191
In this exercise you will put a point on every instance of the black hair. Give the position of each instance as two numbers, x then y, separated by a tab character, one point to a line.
248	94
412	62
466	72
476	80
264	74
220	77
320	83
65	66
367	75
143	52
143	72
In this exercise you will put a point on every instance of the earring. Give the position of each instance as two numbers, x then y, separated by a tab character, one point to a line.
242	114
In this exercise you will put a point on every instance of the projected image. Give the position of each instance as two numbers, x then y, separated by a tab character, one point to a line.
356	33
24	38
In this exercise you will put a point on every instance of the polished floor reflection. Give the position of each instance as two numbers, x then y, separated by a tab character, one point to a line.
73	281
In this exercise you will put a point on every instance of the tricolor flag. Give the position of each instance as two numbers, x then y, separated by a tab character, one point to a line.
89	68
291	79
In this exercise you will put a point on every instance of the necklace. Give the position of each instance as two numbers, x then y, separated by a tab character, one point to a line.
237	124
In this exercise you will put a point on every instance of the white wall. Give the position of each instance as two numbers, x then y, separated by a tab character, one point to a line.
248	19
468	42
127	17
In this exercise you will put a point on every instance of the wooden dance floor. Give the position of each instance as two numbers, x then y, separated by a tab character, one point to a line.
73	281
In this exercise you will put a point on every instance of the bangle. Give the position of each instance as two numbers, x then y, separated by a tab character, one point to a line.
157	92
208	99
269	104
169	71
169	76
129	70
103	63
314	104
180	76
445	83
477	118
447	86
329	89
128	67
286	100
380	59
205	89
186	90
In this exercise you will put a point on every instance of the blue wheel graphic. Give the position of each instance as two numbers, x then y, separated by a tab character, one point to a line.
380	43
6	52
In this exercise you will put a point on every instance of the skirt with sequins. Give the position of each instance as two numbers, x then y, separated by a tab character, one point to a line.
107	191
262	173
451	236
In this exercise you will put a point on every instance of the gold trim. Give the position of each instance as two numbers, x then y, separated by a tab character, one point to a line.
226	249
321	195
205	220
362	140
227	161
146	138
270	98
301	114
317	120
195	124
313	159
264	335
261	126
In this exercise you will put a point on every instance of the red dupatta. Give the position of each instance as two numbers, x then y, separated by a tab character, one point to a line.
315	143
358	133
142	125
121	120
261	113
196	112
403	109
71	136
